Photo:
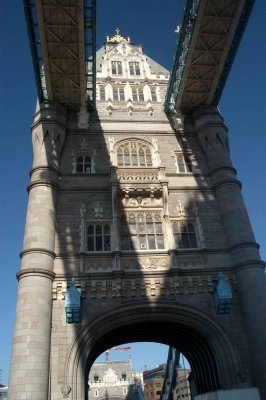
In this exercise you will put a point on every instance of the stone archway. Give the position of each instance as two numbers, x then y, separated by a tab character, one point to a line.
213	359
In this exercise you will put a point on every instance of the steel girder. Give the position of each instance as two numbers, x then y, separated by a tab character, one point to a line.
63	45
208	42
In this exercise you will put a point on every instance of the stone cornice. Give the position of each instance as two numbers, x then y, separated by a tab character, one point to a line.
35	272
37	250
42	182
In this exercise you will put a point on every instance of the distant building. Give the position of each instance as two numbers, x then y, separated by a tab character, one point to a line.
3	392
182	390
153	382
115	380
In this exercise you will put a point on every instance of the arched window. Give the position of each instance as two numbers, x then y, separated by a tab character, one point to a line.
184	234
134	154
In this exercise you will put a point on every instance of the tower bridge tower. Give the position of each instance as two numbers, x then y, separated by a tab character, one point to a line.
136	230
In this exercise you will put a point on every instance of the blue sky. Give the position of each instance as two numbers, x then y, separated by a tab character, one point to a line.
152	24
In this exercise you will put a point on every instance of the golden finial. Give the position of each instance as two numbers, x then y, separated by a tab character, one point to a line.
117	38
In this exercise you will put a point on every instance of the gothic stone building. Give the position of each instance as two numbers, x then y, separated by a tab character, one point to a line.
114	380
144	211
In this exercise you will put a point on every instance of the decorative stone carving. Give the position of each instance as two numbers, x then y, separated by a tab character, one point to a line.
98	264
180	209
140	201
143	176
98	210
65	390
145	263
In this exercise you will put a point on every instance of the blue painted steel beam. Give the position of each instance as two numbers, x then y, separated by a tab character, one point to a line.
36	48
90	52
189	20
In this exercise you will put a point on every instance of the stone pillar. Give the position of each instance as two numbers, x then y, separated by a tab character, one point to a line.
249	269
29	372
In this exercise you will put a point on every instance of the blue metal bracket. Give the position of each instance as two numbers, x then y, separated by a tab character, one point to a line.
189	20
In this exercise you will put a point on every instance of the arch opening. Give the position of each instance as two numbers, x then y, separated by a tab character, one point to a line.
208	350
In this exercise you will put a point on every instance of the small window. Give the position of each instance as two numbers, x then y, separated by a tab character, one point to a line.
98	237
116	67
184	163
184	234
124	377
134	68
124	390
96	378
102	93
118	94
96	393
153	94
83	164
137	94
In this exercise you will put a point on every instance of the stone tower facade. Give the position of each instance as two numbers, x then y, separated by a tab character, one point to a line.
144	211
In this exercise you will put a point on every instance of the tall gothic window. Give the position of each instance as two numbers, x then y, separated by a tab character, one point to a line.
137	94
98	237
116	67
141	230
184	163
134	154
83	164
118	94
134	68
184	234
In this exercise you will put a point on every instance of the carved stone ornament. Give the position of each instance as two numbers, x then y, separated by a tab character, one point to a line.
65	390
180	209
98	210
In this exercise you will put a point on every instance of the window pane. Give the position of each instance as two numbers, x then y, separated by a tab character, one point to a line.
137	69
122	94
141	95
158	228
134	243
107	243
188	163
185	242
192	239
175	228
90	243
106	229
151	240
99	243
142	241
150	228
124	229
119	70
141	228
115	93
134	94
132	228
124	243
90	230
178	241
98	230
160	243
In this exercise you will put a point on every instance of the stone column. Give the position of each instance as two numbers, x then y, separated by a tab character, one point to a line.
29	372
249	269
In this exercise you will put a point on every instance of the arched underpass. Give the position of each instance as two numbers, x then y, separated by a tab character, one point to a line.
212	358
